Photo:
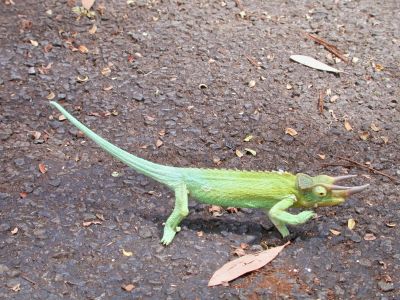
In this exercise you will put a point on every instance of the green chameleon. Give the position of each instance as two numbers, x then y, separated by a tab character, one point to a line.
274	192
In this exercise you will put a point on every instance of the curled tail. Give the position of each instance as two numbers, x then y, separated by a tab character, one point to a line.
164	174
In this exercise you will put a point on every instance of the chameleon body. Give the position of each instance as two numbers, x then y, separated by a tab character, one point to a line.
274	192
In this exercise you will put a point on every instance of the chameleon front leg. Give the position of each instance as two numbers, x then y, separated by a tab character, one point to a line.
280	217
181	210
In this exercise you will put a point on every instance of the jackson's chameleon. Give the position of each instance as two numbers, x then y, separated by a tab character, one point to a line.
274	192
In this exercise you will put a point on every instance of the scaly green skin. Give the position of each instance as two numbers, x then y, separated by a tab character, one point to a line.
274	192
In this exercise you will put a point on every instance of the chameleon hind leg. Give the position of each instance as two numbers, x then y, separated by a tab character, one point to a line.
280	217
181	210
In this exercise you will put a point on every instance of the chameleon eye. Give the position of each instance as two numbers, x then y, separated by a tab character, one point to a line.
320	191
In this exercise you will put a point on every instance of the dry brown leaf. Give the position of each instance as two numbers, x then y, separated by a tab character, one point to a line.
42	168
14	231
364	135
50	96
347	125
243	265
128	287
159	143
290	131
126	253
351	223
215	210
379	67
87	4
238	153
369	237
88	223
374	127
16	288
232	210
334	232
83	49
251	151
248	138
106	71
93	29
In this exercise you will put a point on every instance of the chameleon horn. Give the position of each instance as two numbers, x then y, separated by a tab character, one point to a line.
340	178
356	189
340	187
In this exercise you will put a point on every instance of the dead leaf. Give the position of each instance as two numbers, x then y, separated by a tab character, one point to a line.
333	99
351	223
34	43
200	233
100	217
106	71
126	253
390	224
290	131
232	210
322	156
93	29
243	265
347	125
61	118
108	88
42	168
374	127
248	138
88	223
87	4
16	288
369	237
128	287
251	151
23	194
252	83
379	67
313	63
334	232
364	135
159	143
48	48
81	78
14	231
238	153
83	49
50	96
215	210
385	139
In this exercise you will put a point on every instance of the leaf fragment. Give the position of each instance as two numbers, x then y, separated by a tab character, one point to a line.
248	138
14	231
106	71
81	78
390	224
351	223
291	131
34	43
347	125
128	287
322	156
369	237
313	63
364	135
251	151
126	253
374	127
243	265
83	49
50	96
252	83
92	222
335	232
238	153
159	143
87	4
42	168
93	29
16	288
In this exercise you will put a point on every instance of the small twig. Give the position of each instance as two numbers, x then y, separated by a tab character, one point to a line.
321	102
28	279
336	165
368	167
254	62
331	48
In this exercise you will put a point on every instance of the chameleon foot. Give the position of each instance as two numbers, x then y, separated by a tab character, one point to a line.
168	236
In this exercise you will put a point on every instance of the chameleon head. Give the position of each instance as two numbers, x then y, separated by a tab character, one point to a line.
322	190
